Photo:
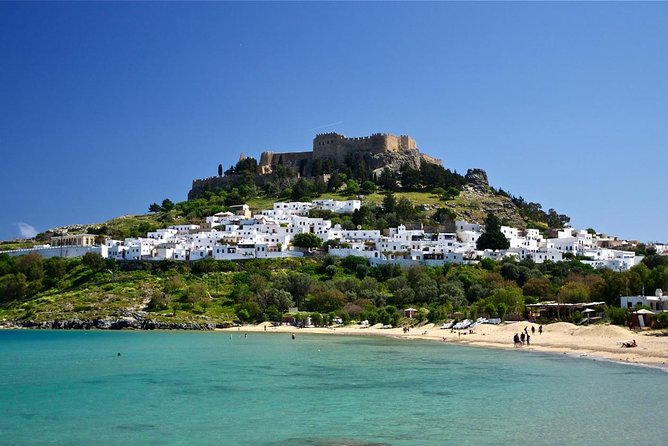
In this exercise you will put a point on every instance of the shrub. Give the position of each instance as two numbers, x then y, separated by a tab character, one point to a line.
617	316
662	320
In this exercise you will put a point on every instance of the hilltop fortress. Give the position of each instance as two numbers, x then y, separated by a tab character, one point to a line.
336	147
379	150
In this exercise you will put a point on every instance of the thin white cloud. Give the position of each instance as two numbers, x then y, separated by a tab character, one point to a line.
327	125
26	230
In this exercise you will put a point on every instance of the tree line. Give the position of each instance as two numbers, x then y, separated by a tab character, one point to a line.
328	287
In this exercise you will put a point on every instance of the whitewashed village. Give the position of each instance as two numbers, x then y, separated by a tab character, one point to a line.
240	235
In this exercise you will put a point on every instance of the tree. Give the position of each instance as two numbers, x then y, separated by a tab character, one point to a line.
31	266
167	205
327	300
196	293
205	265
350	263
368	187
220	170
389	202
573	292
173	284
306	240
492	223
352	187
453	292
93	260
387	180
410	178
492	238
451	192
159	301
154	207
13	287
331	270
280	299
405	209
510	296
537	287
556	220
299	285
55	269
336	181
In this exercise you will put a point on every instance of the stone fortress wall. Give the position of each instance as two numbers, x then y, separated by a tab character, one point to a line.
337	146
270	159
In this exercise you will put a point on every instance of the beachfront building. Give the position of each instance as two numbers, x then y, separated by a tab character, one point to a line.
657	302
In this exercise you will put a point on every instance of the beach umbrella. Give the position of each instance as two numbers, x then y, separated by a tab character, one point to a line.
640	314
643	311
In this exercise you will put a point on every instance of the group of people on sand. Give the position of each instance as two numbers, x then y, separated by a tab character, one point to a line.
520	339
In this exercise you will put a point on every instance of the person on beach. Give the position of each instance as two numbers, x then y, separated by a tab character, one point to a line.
516	340
540	329
528	338
533	330
522	338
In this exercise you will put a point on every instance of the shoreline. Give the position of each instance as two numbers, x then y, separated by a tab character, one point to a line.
596	342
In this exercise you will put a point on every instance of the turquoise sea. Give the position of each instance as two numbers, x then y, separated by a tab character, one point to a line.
203	388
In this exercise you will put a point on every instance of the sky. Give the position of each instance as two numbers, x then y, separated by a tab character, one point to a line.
106	108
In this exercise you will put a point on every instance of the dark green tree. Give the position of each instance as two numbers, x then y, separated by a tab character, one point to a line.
492	238
389	202
167	205
93	260
306	240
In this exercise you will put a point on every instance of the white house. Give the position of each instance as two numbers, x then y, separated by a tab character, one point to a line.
658	302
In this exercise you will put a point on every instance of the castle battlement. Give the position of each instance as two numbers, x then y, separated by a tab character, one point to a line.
337	146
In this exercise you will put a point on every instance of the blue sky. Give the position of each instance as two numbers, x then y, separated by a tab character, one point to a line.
108	107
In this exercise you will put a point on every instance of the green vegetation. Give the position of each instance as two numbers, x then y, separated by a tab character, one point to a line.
220	292
492	238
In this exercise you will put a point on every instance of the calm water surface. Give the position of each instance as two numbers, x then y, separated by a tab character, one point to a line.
174	388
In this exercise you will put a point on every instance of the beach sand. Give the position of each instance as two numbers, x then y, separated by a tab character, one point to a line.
594	342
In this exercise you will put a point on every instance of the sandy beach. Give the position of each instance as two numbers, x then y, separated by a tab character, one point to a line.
602	342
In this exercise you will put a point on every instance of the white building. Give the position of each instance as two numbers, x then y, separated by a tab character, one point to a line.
656	303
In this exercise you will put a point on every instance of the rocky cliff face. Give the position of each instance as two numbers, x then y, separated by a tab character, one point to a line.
395	160
477	179
138	320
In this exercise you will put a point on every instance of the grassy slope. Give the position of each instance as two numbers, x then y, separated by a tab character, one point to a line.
85	295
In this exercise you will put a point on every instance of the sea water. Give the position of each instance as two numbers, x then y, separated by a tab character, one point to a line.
222	388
